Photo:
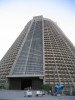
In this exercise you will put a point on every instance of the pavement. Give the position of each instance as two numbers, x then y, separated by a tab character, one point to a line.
19	95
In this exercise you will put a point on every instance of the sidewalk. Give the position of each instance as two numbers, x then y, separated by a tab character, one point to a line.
19	95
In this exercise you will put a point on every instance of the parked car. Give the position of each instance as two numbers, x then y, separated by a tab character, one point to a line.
29	93
39	93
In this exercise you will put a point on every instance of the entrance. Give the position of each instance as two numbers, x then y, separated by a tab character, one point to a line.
25	83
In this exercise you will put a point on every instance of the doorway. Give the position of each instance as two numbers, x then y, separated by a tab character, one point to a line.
25	83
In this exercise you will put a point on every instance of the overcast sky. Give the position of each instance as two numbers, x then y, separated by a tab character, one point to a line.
14	15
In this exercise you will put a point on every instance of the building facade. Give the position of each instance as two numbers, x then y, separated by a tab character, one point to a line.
41	54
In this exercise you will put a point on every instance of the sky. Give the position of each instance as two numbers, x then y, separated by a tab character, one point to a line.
14	15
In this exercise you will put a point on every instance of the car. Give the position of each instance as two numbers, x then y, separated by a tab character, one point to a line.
29	93
39	93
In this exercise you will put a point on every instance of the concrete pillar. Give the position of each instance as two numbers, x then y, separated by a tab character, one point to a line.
70	90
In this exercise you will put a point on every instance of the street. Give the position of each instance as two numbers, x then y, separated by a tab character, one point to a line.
19	95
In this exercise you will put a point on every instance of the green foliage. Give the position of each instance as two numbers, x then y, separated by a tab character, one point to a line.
2	87
47	87
73	93
67	93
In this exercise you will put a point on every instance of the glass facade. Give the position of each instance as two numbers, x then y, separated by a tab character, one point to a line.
30	60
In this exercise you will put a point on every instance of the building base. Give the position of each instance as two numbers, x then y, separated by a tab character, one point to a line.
23	83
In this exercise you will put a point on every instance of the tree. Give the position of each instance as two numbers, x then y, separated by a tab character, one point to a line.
47	88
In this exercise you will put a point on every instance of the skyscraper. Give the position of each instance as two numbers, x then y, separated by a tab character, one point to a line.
41	54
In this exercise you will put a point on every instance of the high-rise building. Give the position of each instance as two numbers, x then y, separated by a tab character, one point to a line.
41	54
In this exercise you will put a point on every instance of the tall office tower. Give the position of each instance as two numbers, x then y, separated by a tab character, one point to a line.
41	54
